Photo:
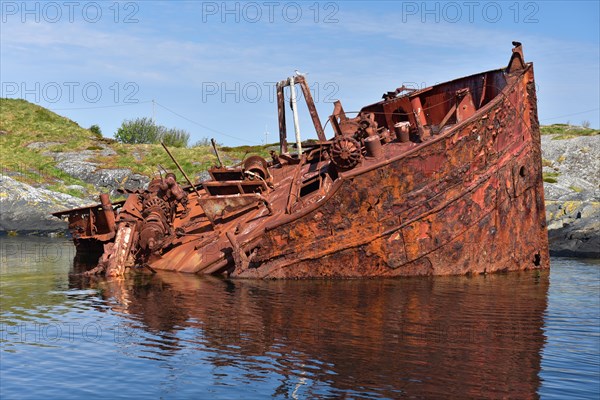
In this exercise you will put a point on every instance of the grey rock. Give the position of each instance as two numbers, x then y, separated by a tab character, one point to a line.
77	165
25	208
82	155
78	169
573	202
41	145
113	179
202	176
577	163
573	228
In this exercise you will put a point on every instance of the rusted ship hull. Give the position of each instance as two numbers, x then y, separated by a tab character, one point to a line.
465	196
470	201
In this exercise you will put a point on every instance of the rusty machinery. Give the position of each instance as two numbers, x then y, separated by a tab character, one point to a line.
145	220
159	206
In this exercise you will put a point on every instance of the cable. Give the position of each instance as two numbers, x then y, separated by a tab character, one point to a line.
568	115
157	103
204	126
96	107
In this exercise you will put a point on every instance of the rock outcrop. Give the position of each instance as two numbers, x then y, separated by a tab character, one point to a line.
81	165
571	168
573	228
572	191
24	208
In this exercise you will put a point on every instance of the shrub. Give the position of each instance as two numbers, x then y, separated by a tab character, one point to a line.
204	142
175	137
145	130
95	129
139	130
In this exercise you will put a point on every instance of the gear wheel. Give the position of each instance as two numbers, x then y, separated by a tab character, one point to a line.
346	152
154	203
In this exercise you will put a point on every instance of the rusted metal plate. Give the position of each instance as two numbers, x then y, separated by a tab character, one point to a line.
223	207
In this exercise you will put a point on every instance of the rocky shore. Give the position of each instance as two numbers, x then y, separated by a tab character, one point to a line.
571	185
572	192
25	208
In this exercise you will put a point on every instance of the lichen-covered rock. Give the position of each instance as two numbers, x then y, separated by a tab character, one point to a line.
24	208
575	165
573	201
202	176
574	228
42	145
78	165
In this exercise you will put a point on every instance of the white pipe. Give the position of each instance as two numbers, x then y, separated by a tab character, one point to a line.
295	113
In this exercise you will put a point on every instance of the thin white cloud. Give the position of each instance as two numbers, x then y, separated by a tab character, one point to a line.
364	54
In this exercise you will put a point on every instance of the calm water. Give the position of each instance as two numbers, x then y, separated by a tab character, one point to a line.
517	335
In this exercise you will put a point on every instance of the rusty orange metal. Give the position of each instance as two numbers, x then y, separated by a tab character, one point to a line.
439	181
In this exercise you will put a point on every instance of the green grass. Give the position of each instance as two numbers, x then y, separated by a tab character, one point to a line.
70	191
26	123
566	131
550	177
576	189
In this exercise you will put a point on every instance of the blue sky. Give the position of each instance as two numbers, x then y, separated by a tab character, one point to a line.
210	66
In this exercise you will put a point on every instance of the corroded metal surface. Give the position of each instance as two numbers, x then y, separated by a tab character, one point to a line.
443	180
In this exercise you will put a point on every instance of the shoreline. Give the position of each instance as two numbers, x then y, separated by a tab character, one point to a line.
571	166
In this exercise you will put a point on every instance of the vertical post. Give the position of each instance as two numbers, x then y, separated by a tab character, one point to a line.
418	110
295	114
310	103
281	115
266	135
107	209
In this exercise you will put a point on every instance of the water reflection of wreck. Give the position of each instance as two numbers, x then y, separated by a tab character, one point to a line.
443	180
449	337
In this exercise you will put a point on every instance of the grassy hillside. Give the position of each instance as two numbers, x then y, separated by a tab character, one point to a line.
567	131
23	125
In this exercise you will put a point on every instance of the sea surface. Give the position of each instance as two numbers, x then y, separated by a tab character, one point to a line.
512	335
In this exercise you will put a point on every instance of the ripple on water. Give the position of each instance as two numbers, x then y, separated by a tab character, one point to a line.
173	336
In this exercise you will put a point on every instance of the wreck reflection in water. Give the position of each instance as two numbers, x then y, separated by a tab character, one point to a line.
445	337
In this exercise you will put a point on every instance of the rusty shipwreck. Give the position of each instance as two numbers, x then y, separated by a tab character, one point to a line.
438	181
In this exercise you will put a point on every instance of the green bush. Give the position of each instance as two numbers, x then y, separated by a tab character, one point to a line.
95	129
175	137
204	142
139	130
145	130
